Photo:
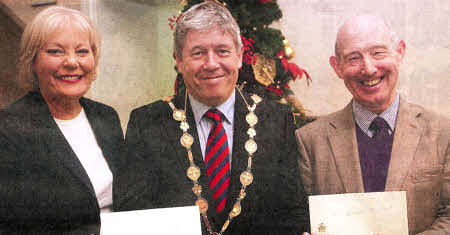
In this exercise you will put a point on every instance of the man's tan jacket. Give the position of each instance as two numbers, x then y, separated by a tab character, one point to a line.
419	164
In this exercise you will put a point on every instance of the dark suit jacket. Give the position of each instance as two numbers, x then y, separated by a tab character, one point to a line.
154	174
44	189
419	165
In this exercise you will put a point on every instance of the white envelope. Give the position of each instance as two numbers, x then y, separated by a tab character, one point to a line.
359	213
167	221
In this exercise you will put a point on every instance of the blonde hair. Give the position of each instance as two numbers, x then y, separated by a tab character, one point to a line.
38	31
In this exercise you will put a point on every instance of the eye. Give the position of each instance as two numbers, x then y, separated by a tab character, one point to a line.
83	51
379	54
54	51
352	58
196	53
223	51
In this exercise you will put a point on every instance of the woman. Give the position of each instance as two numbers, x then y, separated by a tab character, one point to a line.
57	148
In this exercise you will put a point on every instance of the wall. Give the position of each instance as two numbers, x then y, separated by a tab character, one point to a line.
10	88
136	64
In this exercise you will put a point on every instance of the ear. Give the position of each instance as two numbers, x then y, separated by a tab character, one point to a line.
336	67
178	61
241	53
401	48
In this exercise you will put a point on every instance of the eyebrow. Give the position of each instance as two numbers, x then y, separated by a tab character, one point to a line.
216	46
383	46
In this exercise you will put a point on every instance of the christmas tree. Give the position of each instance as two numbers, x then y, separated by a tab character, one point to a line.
265	70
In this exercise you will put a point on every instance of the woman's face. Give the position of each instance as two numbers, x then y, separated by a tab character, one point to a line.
65	64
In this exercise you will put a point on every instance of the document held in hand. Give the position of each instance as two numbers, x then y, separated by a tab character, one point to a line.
170	221
359	213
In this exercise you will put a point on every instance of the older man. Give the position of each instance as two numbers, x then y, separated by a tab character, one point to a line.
379	141
232	154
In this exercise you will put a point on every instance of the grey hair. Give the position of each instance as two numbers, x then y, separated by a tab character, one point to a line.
395	40
205	16
38	31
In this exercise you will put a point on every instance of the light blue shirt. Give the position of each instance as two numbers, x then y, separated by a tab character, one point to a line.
364	117
204	124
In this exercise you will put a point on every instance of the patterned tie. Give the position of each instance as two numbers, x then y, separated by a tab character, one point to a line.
217	159
380	128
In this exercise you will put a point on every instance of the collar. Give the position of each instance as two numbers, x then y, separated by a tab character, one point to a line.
227	108
364	117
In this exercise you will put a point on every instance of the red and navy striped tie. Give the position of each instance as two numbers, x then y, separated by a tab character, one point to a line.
217	159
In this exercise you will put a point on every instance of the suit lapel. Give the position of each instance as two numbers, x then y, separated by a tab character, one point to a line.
58	149
406	138
342	138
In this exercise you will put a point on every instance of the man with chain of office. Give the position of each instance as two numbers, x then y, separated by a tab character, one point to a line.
230	153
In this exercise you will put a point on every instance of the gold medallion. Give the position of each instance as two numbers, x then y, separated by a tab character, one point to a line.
236	210
187	140
251	146
246	178
251	119
193	172
179	115
202	205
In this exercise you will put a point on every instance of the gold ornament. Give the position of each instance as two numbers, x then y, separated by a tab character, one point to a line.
191	158
242	194
193	171
186	140
251	132
251	119
179	115
184	125
251	146
264	69
322	228
246	178
167	98
197	189
202	205
288	51
225	225
236	210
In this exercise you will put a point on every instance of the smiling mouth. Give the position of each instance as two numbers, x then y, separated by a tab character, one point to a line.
372	83
212	77
70	77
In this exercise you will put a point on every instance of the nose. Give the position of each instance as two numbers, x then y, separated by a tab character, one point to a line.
71	61
212	61
369	67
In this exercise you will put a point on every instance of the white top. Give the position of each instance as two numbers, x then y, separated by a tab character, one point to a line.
79	134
